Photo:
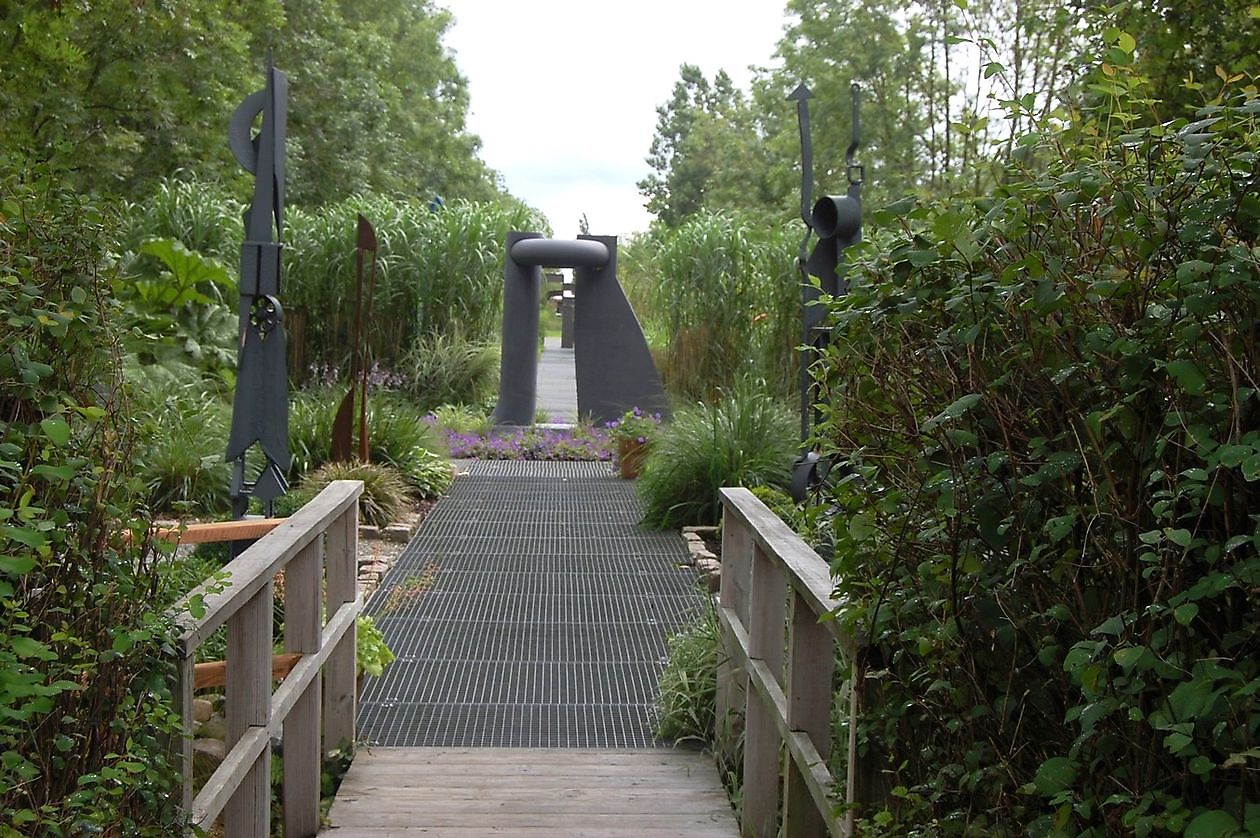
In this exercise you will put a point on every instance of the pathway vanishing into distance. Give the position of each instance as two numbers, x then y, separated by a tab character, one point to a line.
529	617
557	383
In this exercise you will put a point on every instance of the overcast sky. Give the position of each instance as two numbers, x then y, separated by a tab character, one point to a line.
564	92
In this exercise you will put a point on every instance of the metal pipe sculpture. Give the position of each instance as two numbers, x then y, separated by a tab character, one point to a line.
837	222
260	407
341	435
612	364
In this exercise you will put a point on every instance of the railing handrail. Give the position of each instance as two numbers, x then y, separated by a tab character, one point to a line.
320	629
775	609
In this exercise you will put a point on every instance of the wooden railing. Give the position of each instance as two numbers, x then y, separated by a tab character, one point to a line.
316	548
774	591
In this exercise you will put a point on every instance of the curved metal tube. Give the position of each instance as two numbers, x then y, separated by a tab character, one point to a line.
556	253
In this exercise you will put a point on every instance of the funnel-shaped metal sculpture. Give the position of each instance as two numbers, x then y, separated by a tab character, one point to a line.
260	409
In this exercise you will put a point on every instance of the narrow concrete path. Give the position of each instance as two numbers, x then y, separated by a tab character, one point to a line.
557	383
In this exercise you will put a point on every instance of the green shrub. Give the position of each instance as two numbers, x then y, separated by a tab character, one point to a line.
1048	399
385	491
461	419
85	700
744	439
688	684
398	435
449	369
183	437
202	215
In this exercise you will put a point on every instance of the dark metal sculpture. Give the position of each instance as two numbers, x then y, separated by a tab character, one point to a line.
260	408
341	434
613	366
837	222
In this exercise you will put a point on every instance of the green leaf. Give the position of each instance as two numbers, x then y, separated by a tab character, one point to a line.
29	647
1128	656
1187	375
1185	614
1211	824
1054	775
23	535
56	429
17	565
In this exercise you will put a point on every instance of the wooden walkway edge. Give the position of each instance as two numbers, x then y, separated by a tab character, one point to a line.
565	793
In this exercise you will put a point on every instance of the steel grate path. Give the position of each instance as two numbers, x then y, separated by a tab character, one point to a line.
529	611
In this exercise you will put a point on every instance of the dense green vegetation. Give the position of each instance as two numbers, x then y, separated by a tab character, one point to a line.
1042	384
1048	533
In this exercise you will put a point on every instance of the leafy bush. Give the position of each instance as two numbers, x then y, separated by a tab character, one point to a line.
1049	402
385	491
398	435
449	369
203	216
744	439
85	714
688	684
183	435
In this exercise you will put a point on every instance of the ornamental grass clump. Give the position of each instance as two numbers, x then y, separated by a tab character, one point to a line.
744	439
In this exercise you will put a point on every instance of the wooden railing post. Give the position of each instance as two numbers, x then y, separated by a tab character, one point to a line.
341	587
302	627
766	613
811	663
732	680
248	700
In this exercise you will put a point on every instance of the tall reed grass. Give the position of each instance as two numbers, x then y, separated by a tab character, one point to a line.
726	297
437	273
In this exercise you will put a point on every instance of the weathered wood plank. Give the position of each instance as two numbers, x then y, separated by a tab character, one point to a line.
302	623
248	700
340	588
256	566
393	791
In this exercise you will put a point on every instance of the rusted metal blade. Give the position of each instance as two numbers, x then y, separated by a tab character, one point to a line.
342	424
367	235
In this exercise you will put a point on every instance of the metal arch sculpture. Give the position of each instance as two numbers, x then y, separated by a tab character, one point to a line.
836	220
612	364
260	406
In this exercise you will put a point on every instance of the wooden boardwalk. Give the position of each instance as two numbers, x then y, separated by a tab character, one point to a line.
559	793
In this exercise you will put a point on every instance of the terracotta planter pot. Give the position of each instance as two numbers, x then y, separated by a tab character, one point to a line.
630	454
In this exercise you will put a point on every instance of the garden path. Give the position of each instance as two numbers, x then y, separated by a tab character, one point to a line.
529	614
557	383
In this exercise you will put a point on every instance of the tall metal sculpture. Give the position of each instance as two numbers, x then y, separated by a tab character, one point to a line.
260	408
837	222
365	251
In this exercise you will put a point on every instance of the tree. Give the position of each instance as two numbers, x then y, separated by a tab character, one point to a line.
377	103
116	94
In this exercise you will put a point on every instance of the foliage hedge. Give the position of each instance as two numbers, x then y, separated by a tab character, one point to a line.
84	674
1049	401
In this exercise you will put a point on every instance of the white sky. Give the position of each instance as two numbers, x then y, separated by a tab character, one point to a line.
564	92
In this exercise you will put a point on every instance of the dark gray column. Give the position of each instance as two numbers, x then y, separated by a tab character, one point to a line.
518	366
615	370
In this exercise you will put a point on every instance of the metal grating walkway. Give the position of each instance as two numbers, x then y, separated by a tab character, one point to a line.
530	611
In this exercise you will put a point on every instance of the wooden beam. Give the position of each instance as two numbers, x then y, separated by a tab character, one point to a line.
214	673
216	531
